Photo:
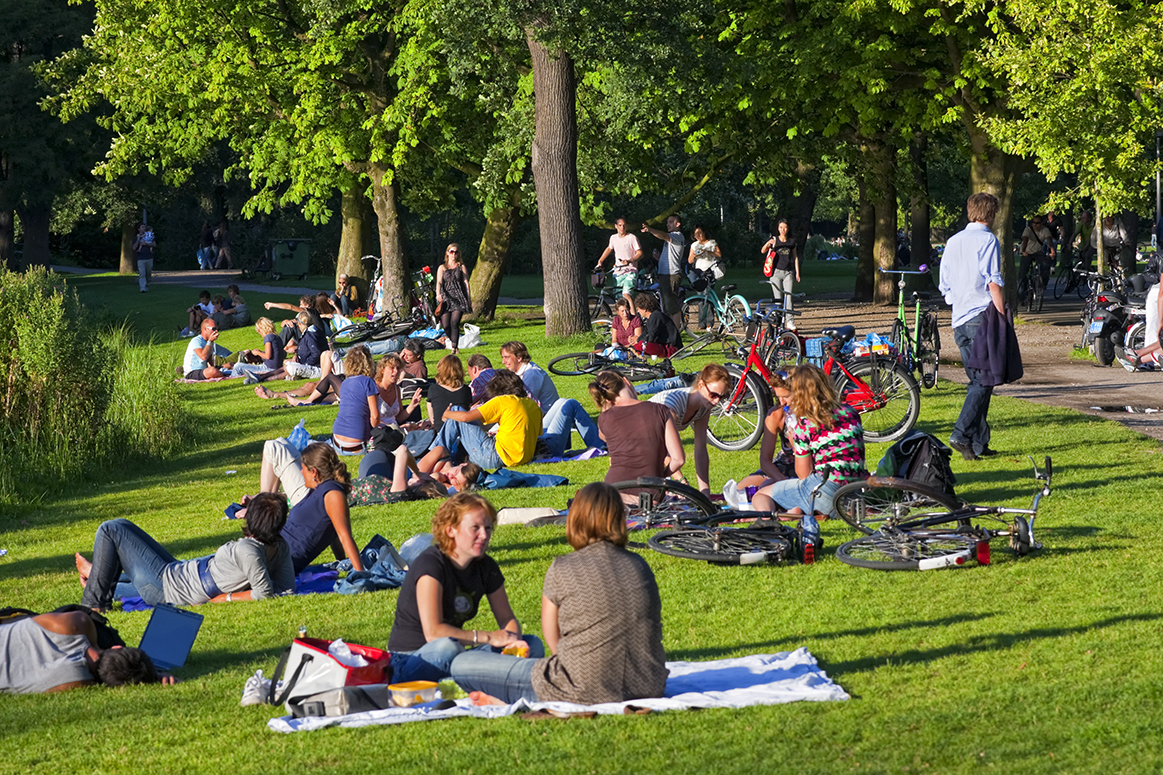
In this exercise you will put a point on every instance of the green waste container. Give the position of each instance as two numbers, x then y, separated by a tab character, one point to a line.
290	257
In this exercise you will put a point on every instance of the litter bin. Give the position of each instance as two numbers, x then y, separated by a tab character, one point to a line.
290	257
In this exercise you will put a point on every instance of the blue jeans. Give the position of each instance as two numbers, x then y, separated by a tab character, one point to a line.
249	368
464	437
559	422
972	428
344	304
433	660
205	258
120	546
658	385
797	494
502	676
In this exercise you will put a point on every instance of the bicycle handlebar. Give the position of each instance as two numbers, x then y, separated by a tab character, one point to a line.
923	269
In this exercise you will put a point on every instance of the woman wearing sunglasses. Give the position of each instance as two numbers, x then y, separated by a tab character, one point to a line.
692	407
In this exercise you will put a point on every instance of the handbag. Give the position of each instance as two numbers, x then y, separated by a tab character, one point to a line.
315	670
769	264
440	308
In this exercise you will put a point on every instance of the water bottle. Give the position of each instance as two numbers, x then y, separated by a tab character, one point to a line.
299	437
302	631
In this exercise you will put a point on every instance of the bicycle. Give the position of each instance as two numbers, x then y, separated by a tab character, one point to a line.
1032	287
651	503
878	387
921	352
705	311
1067	280
743	538
601	305
631	366
915	536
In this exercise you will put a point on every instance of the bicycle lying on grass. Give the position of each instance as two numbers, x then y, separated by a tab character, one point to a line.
625	362
912	527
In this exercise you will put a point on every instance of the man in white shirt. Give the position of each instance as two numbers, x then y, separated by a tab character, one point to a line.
670	266
970	281
626	252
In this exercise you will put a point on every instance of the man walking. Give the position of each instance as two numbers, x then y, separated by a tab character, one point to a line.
970	281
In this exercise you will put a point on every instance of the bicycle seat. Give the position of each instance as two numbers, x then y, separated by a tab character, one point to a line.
843	333
729	288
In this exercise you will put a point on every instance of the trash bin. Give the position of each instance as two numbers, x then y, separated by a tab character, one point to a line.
290	257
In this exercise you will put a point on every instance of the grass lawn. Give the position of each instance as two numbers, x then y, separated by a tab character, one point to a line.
1048	664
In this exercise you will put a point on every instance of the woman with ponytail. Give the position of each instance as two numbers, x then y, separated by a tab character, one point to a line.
322	518
641	436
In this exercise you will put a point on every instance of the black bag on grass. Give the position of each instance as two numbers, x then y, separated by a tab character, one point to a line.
920	458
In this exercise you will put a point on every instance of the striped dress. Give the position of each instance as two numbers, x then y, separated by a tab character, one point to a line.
840	447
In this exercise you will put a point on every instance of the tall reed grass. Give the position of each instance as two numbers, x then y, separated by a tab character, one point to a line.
76	394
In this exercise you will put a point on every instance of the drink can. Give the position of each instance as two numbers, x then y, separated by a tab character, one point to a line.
751	493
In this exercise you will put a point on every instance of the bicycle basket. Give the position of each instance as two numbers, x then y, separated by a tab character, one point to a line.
814	350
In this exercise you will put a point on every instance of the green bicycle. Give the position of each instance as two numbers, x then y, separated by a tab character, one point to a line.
705	313
919	350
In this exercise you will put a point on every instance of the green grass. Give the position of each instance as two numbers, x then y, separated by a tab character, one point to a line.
1048	664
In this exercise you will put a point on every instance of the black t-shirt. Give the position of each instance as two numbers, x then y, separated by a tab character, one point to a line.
660	329
461	593
784	254
442	398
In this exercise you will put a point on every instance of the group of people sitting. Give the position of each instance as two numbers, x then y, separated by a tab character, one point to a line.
605	647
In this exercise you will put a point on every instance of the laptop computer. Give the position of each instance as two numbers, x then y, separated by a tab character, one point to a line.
169	636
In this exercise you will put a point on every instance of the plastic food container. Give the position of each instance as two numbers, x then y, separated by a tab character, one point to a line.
406	695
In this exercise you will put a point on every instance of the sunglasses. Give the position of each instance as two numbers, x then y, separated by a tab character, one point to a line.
714	395
213	329
454	251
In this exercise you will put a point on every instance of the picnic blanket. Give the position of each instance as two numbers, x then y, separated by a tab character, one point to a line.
308	582
759	679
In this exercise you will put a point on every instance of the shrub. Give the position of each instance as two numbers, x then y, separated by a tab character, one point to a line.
75	396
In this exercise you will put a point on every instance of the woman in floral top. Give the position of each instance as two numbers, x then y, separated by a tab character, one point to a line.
827	438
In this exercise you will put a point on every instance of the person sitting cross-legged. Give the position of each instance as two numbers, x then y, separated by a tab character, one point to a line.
601	615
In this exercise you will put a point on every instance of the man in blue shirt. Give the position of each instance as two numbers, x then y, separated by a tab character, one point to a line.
970	281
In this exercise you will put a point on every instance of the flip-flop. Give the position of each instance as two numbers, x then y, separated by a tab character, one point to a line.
283	406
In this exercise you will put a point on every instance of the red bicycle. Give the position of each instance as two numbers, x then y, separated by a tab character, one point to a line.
886	396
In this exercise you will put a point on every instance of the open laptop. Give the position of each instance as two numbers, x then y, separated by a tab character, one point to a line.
169	636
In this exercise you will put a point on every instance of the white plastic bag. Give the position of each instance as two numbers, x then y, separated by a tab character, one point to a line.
470	338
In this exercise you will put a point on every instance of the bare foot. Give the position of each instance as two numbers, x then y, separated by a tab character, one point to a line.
480	698
262	392
84	568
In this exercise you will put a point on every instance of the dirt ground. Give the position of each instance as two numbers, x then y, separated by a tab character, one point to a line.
1051	377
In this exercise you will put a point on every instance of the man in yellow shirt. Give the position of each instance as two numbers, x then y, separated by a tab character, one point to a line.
518	421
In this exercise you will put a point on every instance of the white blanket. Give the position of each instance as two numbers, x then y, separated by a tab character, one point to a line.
760	679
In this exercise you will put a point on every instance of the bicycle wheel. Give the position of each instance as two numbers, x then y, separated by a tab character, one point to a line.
1062	280
723	546
698	343
1039	287
598	307
929	344
577	364
652	502
698	315
786	351
735	316
866	505
902	342
908	550
603	329
637	371
885	394
736	422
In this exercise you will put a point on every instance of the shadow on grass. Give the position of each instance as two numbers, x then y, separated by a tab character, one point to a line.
718	652
189	548
982	643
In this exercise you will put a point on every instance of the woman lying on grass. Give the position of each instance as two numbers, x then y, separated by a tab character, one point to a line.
127	562
399	478
443	590
601	615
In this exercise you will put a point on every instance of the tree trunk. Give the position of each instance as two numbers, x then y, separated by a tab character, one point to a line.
357	239
493	259
803	204
7	239
128	232
1127	254
994	172
882	193
920	245
555	177
385	200
866	260
34	220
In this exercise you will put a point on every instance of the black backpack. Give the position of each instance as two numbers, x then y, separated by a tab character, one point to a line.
920	458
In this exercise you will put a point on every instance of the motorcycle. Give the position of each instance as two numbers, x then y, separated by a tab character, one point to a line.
1112	316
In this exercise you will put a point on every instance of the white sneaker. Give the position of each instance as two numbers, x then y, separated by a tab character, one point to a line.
256	690
791	325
